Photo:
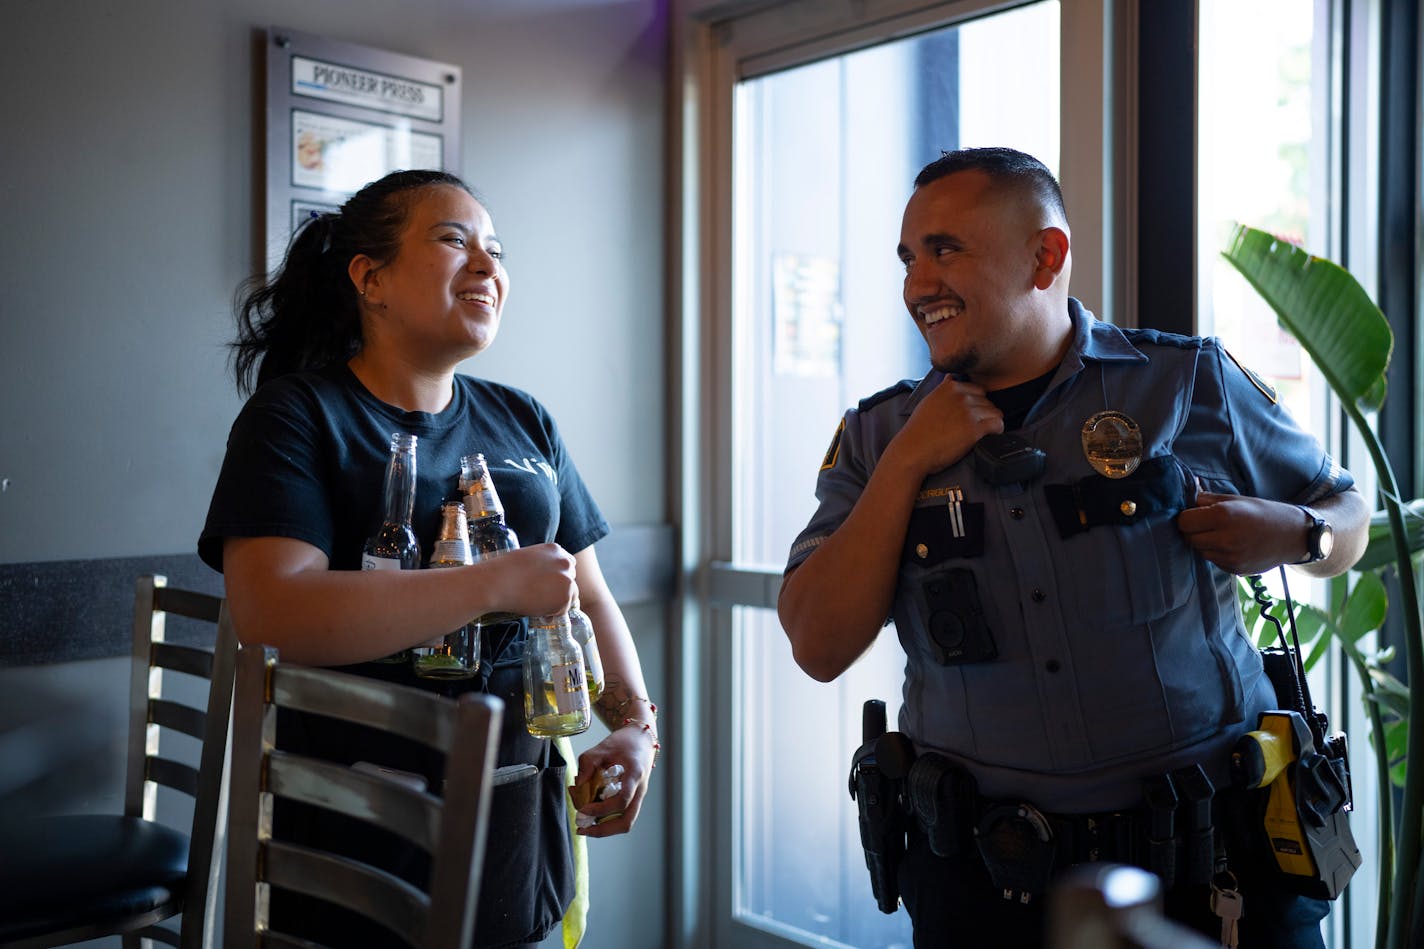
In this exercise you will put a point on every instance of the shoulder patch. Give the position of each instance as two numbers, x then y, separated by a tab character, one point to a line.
871	401
1256	380
833	453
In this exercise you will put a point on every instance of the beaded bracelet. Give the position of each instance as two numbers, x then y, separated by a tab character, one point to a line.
637	698
648	728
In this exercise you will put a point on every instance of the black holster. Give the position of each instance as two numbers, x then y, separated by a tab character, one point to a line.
943	798
877	784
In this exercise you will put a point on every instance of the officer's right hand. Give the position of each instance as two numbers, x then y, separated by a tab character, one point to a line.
531	581
946	425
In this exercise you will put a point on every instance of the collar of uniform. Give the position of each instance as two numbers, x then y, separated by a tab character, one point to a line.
1097	340
924	387
1092	339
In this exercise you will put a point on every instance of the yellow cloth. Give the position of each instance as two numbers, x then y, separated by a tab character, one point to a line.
576	917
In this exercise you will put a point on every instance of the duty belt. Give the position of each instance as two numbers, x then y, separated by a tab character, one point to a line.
1170	834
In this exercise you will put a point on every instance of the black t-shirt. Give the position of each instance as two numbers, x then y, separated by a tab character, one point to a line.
1016	401
306	459
307	456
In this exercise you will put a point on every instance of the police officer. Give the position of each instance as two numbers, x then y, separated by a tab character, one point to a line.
1052	517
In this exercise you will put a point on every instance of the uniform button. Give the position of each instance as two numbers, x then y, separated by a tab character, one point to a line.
1128	508
1016	513
1052	665
1039	596
921	551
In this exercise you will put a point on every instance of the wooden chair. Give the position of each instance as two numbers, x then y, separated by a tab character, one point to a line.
71	878
450	827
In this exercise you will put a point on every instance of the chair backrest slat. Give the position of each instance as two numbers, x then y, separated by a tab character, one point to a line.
189	603
448	823
376	894
408	812
177	716
419	716
189	659
172	774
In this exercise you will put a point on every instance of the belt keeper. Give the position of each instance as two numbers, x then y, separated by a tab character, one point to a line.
1160	829
1198	846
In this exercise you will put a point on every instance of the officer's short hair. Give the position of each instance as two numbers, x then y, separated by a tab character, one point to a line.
1005	167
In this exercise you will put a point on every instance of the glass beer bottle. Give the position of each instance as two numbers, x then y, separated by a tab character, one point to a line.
489	535
394	545
555	686
457	654
582	628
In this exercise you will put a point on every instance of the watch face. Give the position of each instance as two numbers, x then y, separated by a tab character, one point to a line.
1324	541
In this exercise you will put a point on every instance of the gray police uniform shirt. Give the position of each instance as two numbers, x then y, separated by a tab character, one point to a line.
1117	652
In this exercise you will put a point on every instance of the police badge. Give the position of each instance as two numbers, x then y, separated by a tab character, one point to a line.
1112	443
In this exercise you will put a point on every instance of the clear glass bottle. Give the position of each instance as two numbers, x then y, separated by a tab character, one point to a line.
457	654
582	628
555	685
489	535
394	545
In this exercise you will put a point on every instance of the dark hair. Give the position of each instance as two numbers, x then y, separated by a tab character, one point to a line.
1004	166
306	316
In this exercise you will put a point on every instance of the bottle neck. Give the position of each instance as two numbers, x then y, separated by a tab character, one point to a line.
553	623
452	524
400	487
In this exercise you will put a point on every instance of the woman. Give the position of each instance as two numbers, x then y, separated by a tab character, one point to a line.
356	337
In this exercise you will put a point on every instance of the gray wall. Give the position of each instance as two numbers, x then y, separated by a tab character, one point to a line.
128	191
129	188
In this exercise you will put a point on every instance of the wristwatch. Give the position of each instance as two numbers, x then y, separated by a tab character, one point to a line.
1319	538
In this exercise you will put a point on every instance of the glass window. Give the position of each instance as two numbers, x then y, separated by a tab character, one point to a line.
1263	161
1271	137
824	158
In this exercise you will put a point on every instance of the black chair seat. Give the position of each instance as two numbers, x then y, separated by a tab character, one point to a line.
86	870
70	879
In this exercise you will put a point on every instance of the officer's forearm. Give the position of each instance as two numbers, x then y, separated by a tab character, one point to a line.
1349	517
835	603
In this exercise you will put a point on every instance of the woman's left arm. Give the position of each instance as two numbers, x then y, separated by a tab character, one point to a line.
624	707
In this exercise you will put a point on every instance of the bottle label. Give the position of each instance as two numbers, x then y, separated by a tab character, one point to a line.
372	562
452	552
570	693
481	502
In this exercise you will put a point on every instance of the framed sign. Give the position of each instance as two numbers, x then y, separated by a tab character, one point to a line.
341	115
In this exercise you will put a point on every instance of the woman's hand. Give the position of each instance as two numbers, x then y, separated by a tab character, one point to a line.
623	708
531	581
632	747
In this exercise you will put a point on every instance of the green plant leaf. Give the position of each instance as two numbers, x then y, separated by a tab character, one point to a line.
1365	607
1380	552
1396	740
1389	692
1323	307
1310	624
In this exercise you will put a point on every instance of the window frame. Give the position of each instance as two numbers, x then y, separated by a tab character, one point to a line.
715	47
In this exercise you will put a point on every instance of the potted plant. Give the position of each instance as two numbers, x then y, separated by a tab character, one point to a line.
1350	342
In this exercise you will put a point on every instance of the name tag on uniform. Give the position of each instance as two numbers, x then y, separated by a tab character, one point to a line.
949	528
